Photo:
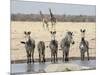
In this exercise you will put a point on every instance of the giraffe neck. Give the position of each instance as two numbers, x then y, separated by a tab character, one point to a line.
42	15
51	13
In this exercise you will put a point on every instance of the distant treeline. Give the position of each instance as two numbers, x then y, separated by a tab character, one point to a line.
60	18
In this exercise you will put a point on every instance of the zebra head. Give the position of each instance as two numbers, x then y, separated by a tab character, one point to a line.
27	37
69	37
82	33
53	33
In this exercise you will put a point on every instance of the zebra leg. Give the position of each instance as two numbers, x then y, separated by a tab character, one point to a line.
33	56
39	58
67	59
88	54
30	57
43	57
81	55
27	58
66	56
51	56
56	56
63	56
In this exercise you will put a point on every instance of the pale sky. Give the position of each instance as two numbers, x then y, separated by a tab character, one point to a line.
29	7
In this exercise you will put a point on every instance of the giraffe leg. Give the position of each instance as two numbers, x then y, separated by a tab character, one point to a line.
47	26
43	25
51	24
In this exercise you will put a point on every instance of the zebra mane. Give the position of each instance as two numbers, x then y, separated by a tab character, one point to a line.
29	42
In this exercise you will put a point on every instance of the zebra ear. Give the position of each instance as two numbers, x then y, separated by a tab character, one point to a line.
71	33
84	30
29	32
24	32
81	30
55	32
51	32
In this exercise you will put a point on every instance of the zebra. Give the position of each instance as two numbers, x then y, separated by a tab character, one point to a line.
41	51
84	45
53	46
29	46
65	45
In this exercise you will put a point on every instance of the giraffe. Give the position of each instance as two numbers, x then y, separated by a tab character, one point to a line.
52	19
44	20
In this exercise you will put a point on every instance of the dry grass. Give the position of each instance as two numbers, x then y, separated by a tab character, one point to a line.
38	33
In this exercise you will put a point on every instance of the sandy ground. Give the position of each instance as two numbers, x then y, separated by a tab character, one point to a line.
38	33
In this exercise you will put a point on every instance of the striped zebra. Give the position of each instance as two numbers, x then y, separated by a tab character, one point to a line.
29	46
53	46
65	44
41	51
84	45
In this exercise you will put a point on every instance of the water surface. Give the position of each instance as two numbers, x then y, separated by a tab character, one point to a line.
39	67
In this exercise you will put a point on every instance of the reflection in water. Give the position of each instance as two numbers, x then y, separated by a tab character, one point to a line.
90	63
39	67
29	68
36	67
